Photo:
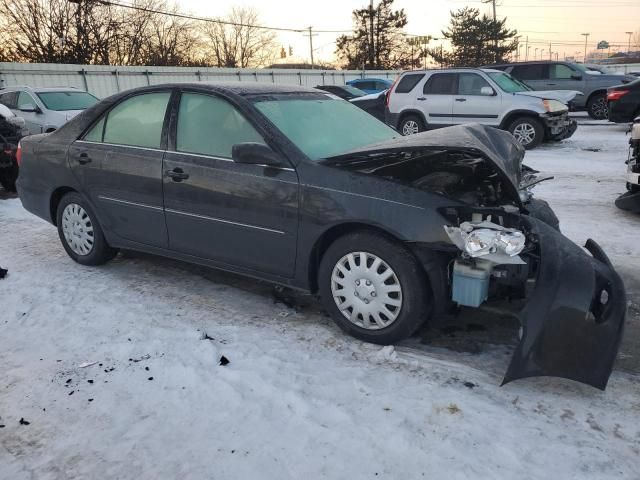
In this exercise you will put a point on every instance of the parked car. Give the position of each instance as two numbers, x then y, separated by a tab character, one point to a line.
624	102
12	129
371	85
346	92
293	186
548	75
630	200
426	99
373	104
46	109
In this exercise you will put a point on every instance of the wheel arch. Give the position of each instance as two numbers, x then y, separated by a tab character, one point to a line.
54	201
411	111
511	116
599	91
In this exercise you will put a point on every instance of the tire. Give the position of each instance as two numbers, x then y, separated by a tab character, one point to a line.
74	219
408	291
597	107
528	131
410	125
8	180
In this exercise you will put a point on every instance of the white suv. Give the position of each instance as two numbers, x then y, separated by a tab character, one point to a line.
420	100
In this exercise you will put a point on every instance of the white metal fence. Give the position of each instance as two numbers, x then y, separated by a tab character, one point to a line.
104	80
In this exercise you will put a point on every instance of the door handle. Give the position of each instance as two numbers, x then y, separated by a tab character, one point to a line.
84	158
461	99
552	84
177	174
421	98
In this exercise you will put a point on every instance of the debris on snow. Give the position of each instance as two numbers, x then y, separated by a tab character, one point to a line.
24	422
224	361
3	272
87	364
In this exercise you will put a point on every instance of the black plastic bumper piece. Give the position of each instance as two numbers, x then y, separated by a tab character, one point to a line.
574	320
629	201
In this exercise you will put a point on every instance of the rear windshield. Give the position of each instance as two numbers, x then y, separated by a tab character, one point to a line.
61	101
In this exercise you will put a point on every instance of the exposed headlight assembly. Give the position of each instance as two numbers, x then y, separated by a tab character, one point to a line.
552	106
489	240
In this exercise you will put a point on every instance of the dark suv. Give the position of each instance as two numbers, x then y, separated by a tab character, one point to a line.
568	76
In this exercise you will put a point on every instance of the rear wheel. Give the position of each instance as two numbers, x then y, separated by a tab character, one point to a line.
373	288
80	232
528	131
597	107
8	177
411	124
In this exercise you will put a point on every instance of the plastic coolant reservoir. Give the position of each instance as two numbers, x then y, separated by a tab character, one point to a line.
471	282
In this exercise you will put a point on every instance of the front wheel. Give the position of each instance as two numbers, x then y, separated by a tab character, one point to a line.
373	288
528	132
597	107
80	232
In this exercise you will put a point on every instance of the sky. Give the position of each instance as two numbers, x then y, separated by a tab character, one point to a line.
542	21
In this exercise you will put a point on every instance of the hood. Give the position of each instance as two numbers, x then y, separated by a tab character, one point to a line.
371	96
564	96
498	147
69	114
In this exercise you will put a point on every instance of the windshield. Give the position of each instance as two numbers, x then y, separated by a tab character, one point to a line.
60	101
356	92
507	83
323	127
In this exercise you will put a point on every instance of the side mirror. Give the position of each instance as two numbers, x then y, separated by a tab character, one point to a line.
255	154
29	107
487	91
576	76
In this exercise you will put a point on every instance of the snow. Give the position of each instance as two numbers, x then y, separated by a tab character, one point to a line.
298	398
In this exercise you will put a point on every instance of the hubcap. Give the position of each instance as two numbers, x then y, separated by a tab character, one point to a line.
366	290
599	109
77	229
410	127
524	133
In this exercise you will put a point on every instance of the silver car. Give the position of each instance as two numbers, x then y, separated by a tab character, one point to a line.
45	109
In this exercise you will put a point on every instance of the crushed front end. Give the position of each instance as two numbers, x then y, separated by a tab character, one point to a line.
630	200
559	125
575	302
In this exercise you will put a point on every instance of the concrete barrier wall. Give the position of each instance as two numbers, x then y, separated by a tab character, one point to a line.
105	80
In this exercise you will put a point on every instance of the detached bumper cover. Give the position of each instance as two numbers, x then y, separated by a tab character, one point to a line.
574	320
560	127
629	201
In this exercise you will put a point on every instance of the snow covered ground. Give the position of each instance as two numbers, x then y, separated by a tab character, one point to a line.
117	369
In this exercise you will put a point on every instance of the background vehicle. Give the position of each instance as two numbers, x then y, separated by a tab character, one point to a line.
624	102
422	100
373	104
390	230
46	109
631	199
568	76
346	92
370	85
12	129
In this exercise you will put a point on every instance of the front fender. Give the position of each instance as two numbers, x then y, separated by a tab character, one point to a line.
571	327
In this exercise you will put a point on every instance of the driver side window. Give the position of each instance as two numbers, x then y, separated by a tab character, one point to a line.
24	100
560	72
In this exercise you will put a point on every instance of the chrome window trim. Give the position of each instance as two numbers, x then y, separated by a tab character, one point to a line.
224	159
126	202
220	220
121	145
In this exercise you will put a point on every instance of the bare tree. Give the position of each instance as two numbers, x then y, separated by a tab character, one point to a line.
241	45
173	40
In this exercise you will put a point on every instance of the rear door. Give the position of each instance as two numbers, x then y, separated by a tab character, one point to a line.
437	96
118	162
536	75
236	214
405	93
470	105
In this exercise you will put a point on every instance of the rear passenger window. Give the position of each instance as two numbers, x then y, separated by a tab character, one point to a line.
137	121
9	99
406	83
529	72
211	126
441	84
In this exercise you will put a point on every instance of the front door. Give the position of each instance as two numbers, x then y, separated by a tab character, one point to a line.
469	105
437	98
564	77
236	214
119	165
27	109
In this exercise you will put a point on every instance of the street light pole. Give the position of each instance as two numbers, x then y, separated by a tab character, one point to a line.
586	37
535	55
629	46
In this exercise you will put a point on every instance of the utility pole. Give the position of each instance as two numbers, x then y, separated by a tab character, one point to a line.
535	54
371	46
586	37
550	51
311	35
495	41
629	45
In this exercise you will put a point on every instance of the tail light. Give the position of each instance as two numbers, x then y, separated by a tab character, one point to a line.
614	95
19	154
388	97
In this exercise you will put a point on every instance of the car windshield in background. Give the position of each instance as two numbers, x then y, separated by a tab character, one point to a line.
324	127
356	92
507	83
61	101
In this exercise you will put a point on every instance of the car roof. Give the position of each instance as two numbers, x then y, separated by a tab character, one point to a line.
443	70
528	62
40	89
369	79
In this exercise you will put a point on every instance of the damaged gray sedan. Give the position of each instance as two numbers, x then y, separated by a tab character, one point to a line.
297	187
